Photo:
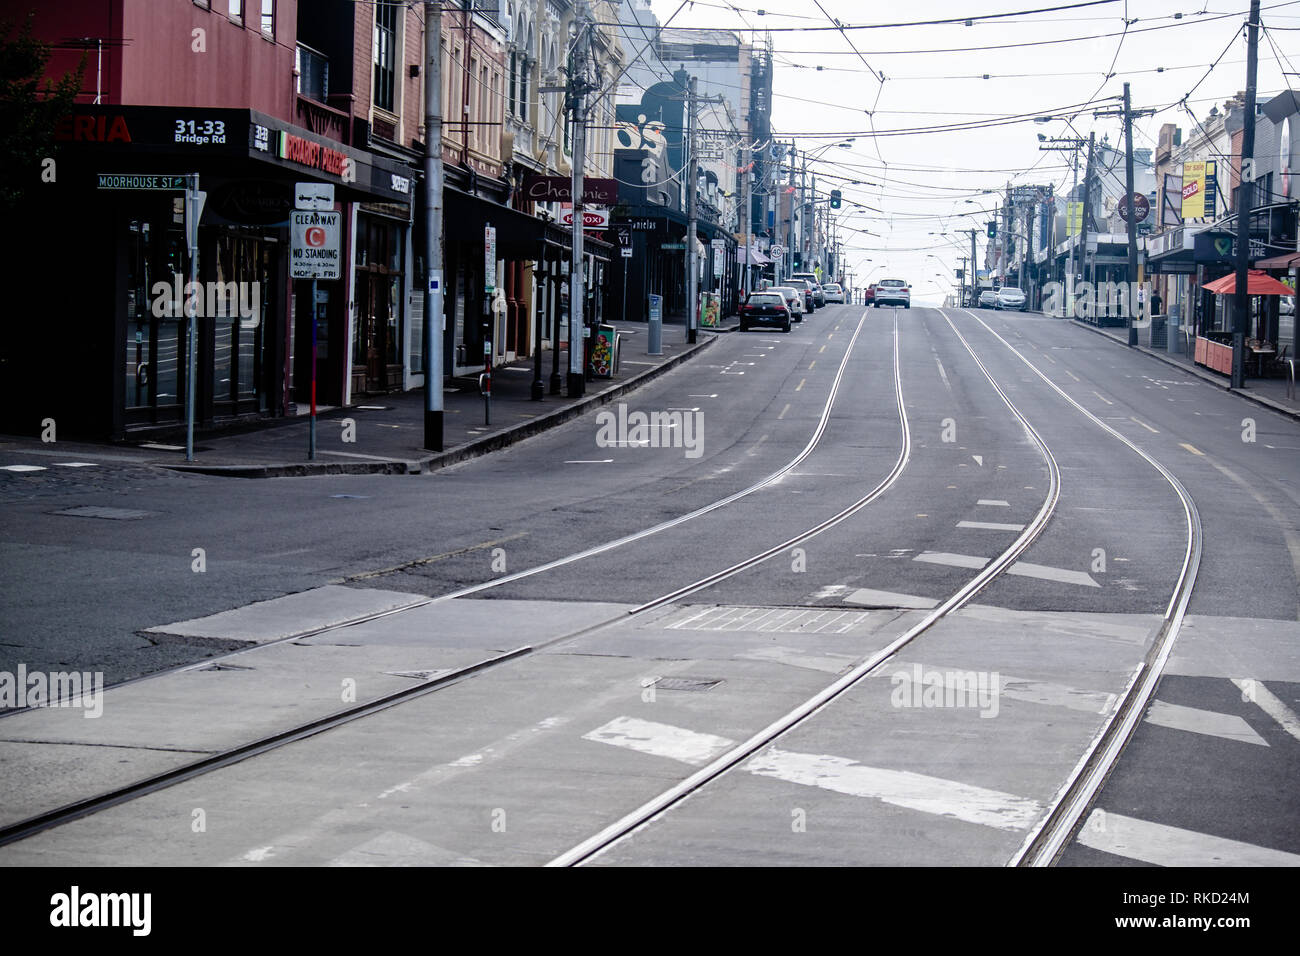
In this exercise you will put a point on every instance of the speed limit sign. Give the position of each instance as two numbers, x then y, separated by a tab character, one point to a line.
777	251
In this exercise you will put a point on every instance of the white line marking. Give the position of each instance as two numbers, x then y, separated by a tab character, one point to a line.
1173	846
953	560
593	461
1197	721
23	468
872	598
76	464
158	447
902	788
942	374
1145	425
994	503
1270	705
351	454
1047	573
783	411
979	460
660	740
1103	398
990	526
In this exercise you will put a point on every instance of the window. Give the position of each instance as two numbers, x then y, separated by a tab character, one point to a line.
268	18
313	70
236	9
385	43
514	82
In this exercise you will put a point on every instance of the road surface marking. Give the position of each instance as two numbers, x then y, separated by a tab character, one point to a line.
811	364
1197	721
352	454
1048	573
1173	846
1193	449
661	740
799	387
23	468
902	788
1103	398
994	503
591	461
157	447
821	350
871	598
1048	357
990	526
979	460
1072	375
1144	425
75	464
714	395
783	411
952	560
942	374
1270	704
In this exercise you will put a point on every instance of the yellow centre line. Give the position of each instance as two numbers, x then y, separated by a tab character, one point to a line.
1144	425
811	364
821	350
1072	375
799	387
783	411
1193	449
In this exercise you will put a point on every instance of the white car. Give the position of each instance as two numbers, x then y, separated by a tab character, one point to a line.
893	292
793	298
1009	297
834	292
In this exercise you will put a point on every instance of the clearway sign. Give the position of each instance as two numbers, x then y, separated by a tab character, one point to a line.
314	245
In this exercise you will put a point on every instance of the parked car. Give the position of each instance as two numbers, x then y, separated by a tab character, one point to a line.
869	296
1009	297
765	308
793	298
834	292
893	292
988	299
806	287
819	296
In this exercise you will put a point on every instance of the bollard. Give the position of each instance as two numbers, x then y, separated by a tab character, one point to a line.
655	326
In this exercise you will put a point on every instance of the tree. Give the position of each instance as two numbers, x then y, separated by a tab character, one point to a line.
28	109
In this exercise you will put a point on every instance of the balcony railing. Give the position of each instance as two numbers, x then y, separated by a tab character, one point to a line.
324	120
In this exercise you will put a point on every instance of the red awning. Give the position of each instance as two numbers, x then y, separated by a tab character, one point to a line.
1257	283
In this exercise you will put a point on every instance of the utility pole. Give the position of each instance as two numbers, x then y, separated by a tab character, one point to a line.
433	409
692	215
789	238
579	83
1087	201
1244	196
748	282
1127	113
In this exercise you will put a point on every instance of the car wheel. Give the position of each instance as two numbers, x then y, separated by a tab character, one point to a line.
786	327
908	306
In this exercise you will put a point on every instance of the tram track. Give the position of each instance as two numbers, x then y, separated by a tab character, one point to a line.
67	813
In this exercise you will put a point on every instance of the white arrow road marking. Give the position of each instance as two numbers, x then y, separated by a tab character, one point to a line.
661	740
902	788
1172	846
1270	704
1197	721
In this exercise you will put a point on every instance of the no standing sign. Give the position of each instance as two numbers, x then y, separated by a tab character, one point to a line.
314	245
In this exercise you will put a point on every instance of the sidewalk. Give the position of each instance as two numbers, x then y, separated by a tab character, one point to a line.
388	430
1269	392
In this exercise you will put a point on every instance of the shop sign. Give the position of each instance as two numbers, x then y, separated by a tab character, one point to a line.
601	192
316	155
593	217
1199	189
490	258
314	244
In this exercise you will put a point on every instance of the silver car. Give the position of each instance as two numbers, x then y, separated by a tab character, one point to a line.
793	298
988	299
1009	297
834	292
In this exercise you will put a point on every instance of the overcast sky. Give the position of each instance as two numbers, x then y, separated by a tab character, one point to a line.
825	92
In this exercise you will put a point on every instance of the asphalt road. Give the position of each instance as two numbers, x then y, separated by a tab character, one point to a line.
953	751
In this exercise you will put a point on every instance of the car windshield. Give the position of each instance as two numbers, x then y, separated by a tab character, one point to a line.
832	288
766	299
894	283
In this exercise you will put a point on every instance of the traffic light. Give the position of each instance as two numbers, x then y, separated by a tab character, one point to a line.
993	230
961	273
836	199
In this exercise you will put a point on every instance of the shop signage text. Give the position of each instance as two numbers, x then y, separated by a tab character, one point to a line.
560	189
304	151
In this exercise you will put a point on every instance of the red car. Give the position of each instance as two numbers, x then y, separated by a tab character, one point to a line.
869	296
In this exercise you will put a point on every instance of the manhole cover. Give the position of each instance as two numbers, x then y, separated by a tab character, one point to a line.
96	511
687	683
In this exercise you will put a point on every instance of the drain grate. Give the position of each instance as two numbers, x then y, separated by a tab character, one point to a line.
687	683
97	511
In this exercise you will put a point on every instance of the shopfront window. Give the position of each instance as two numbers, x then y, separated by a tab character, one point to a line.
378	343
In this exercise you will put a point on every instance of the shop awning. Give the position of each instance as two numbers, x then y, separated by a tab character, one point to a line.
757	258
1288	260
1257	283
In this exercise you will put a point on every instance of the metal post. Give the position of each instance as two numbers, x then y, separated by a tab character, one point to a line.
433	311
1244	197
538	390
311	432
191	336
1069	279
1132	219
692	224
578	90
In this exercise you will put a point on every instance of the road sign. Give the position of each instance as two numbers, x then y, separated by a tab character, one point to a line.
490	257
169	182
317	196
776	251
314	245
627	252
1141	207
